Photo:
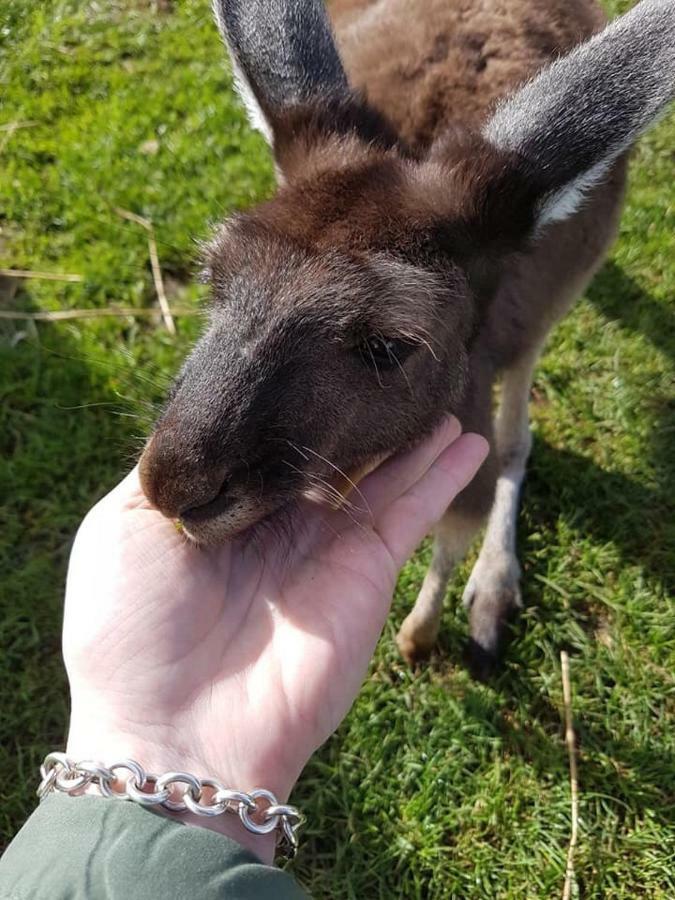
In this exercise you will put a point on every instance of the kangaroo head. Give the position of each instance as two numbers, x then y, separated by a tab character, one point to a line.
344	309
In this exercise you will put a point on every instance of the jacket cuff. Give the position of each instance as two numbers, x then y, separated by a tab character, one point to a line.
78	848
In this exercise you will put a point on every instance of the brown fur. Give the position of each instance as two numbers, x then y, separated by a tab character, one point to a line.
434	64
429	63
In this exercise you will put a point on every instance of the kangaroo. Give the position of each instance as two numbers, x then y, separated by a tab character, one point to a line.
450	176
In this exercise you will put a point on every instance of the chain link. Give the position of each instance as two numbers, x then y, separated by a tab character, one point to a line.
258	811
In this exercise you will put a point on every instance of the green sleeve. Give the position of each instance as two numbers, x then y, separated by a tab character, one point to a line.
91	848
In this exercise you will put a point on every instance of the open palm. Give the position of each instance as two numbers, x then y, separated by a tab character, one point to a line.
237	662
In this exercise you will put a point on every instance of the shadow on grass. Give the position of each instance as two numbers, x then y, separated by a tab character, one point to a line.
628	773
647	538
608	506
65	439
620	297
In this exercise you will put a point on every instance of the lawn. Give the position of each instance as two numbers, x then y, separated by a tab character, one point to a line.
435	786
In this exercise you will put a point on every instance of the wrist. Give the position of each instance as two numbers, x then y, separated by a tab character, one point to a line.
166	750
108	748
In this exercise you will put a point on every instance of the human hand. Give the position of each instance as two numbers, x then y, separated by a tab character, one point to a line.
238	662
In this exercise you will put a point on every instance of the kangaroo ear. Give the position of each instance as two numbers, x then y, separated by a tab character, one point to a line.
568	125
284	56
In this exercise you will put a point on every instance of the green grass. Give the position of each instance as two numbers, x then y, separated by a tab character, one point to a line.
435	787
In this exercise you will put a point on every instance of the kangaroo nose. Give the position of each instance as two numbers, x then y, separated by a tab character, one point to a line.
177	480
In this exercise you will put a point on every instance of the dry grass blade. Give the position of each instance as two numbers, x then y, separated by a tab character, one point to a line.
133	217
154	264
159	285
7	129
61	315
574	783
14	126
44	276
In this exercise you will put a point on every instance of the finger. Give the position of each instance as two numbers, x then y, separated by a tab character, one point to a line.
128	486
377	490
409	517
128	494
395	476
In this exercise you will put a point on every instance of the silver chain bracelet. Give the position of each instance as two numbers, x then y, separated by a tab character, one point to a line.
175	791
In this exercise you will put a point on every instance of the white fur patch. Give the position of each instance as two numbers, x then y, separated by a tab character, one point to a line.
566	202
255	114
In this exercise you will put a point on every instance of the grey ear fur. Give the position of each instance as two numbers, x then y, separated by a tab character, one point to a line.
571	122
283	53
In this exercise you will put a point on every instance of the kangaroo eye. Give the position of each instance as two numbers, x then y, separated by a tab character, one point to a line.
384	353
